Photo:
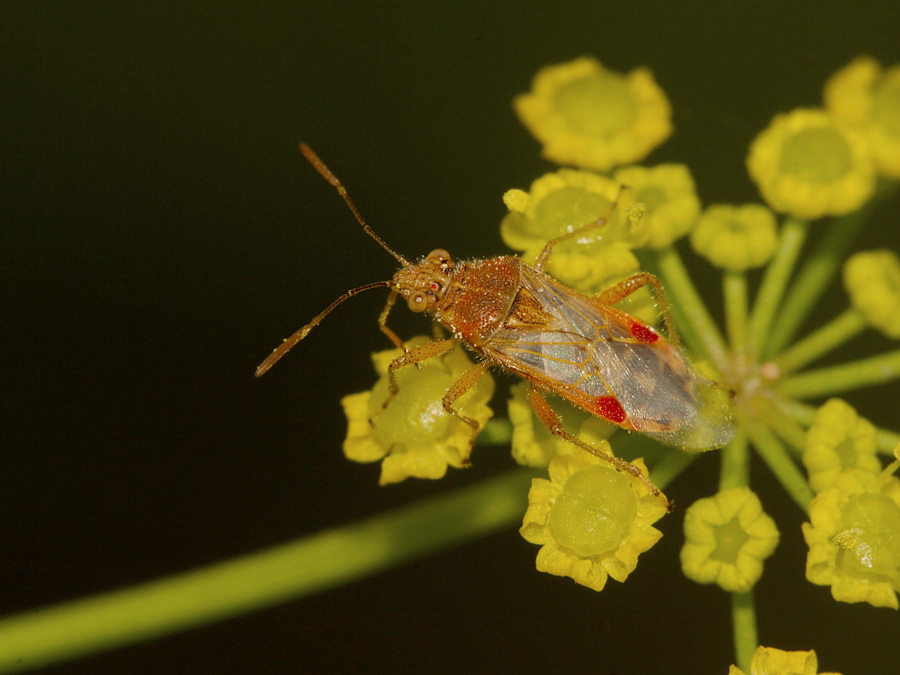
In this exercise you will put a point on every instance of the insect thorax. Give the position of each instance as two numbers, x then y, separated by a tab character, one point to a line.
479	298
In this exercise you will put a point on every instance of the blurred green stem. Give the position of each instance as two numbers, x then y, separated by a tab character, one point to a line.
837	379
735	469
815	275
780	463
774	282
743	622
734	287
39	637
824	340
690	306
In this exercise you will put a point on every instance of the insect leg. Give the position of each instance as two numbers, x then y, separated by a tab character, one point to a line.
413	356
460	387
382	321
547	415
624	288
600	222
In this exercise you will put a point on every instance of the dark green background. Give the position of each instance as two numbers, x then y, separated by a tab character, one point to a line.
161	233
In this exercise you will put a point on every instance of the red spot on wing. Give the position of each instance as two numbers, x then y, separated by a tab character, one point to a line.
643	333
610	408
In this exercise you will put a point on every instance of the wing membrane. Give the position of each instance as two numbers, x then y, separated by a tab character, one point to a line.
583	351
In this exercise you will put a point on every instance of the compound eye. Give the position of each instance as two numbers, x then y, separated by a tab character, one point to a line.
417	302
435	287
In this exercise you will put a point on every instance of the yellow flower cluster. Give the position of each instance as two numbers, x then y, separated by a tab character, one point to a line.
854	530
872	279
414	436
771	661
868	96
591	521
593	118
815	162
727	538
810	164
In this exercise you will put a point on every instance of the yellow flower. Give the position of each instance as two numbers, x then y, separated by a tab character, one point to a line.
414	435
668	193
868	97
771	661
534	445
727	538
563	201
736	238
838	439
854	537
810	164
591	521
594	118
872	279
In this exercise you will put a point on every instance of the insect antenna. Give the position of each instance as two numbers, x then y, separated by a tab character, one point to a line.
285	346
319	166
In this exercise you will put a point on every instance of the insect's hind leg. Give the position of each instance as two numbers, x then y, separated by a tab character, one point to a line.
626	287
599	222
550	419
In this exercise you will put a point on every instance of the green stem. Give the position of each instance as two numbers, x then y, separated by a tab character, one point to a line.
743	623
827	338
734	287
774	282
670	467
780	463
276	575
735	469
497	431
690	305
837	379
787	429
816	274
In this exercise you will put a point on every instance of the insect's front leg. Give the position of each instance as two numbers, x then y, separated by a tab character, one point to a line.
412	356
550	419
382	321
460	387
624	288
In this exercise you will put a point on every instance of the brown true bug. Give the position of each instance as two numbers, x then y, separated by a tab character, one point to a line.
512	315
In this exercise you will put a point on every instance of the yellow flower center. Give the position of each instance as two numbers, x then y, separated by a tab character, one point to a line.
594	510
846	452
567	208
651	196
870	542
412	417
886	110
730	538
599	105
819	155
